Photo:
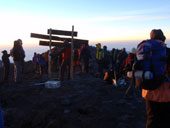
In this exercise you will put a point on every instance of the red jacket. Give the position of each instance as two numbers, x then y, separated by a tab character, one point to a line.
66	54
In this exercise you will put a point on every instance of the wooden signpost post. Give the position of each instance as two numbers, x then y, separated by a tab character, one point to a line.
75	43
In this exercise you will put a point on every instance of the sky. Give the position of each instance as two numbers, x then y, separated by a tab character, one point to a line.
105	21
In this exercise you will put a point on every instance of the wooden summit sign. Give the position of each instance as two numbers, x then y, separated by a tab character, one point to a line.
61	32
62	45
75	43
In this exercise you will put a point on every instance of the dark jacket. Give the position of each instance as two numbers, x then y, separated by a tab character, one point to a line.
5	60
85	54
18	53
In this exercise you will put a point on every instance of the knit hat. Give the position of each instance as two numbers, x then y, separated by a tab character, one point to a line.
4	51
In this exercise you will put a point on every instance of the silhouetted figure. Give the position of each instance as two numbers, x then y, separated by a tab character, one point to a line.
35	61
112	57
6	65
158	100
120	59
23	56
85	55
99	60
42	65
76	60
105	58
18	54
66	61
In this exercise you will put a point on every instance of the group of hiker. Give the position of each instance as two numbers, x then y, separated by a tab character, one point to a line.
149	66
40	63
18	54
61	60
111	61
151	57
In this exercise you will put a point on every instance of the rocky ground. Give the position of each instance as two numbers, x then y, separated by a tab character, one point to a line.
84	102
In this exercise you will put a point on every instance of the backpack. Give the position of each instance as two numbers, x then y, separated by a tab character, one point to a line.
150	57
168	61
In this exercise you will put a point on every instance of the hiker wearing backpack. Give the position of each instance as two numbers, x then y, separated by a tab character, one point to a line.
99	59
85	55
66	61
151	54
76	60
127	66
35	61
105	59
18	54
120	59
6	65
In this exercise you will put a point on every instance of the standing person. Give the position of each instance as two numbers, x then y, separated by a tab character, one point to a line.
99	59
66	61
42	65
127	66
76	60
120	59
112	57
35	61
17	53
105	59
6	65
85	55
23	55
158	100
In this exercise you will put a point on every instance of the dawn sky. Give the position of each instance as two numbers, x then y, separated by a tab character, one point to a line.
95	20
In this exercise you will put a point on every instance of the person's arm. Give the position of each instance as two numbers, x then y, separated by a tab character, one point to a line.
8	55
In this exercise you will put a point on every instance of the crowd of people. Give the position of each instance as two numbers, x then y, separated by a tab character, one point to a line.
116	63
18	54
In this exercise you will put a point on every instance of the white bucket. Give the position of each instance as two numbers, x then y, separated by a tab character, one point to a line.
52	84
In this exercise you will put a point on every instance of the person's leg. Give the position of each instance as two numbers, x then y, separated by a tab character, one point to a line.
153	114
62	71
6	73
79	64
15	71
19	71
69	66
165	115
86	66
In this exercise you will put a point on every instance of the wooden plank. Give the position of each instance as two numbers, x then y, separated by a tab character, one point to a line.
47	37
59	44
61	32
56	38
